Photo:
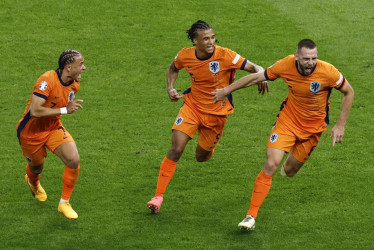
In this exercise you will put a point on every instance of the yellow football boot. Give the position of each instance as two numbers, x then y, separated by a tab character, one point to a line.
38	192
66	209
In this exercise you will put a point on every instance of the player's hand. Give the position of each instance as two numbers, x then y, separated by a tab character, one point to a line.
337	134
262	87
174	95
220	95
74	105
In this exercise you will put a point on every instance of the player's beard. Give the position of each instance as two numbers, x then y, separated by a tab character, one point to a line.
306	70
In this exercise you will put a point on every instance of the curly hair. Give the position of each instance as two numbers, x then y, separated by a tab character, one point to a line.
67	57
199	25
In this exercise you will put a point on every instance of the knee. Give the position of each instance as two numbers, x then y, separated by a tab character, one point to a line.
36	169
286	173
270	167
271	164
73	162
175	153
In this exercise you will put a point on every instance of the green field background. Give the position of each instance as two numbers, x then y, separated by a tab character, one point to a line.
124	130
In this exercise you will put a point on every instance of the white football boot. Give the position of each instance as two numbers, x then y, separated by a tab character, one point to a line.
248	223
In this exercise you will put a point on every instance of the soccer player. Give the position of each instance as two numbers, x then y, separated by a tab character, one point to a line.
210	66
40	127
302	118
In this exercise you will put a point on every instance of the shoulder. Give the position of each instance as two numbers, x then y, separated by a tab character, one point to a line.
286	62
47	78
329	71
228	55
49	74
186	52
223	50
326	66
290	59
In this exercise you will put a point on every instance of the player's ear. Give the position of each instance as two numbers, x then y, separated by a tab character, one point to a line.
194	41
68	67
296	56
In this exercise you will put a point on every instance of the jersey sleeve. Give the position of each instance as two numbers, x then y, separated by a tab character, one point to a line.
235	60
274	71
178	60
43	87
337	80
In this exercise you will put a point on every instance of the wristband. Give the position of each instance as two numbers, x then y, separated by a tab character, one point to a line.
63	111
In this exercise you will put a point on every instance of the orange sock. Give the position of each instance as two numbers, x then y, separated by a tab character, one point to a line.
260	191
33	178
167	169
69	178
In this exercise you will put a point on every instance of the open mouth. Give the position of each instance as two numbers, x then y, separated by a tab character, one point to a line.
308	70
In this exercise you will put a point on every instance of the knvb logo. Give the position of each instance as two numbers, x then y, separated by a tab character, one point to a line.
273	137
71	95
315	87
179	121
214	66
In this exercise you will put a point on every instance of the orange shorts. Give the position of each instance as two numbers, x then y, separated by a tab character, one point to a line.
35	149
301	143
209	127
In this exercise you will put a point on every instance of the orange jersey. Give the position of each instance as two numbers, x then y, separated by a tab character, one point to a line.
57	94
307	104
207	75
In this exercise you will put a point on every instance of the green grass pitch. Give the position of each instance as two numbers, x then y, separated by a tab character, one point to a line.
123	132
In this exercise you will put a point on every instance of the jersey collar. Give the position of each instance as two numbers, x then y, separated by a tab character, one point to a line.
61	81
205	58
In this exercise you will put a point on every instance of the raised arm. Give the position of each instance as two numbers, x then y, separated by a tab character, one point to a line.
337	132
246	81
172	76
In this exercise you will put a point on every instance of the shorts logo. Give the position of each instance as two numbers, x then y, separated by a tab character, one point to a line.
179	121
214	66
315	87
43	85
273	137
28	159
71	95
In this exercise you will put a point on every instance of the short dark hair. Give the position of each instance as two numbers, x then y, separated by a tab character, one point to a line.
306	43
199	25
67	57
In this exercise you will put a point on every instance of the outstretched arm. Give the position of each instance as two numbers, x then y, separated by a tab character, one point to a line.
254	68
246	81
172	76
337	132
